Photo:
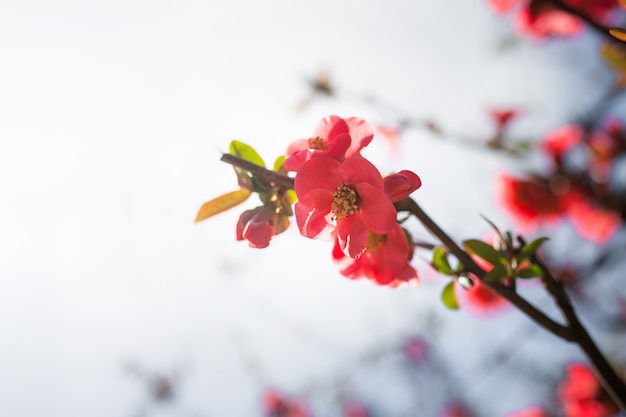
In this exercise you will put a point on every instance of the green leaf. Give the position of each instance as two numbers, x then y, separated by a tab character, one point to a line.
484	251
532	271
278	164
222	203
530	249
440	261
498	273
448	297
246	152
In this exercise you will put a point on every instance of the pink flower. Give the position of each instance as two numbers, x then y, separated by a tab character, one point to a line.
278	405
385	260
582	395
479	299
532	411
334	137
345	196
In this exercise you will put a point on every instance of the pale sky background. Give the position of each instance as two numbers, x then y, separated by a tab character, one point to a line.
112	119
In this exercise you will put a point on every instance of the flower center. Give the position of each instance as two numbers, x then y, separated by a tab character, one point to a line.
318	144
345	202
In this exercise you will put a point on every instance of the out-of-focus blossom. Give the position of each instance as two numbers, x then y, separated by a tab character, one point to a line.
355	409
563	139
591	221
385	259
532	411
542	18
347	197
479	299
531	202
502	117
278	405
582	395
415	349
391	135
455	409
334	137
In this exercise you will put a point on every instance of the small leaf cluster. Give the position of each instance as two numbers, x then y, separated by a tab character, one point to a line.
504	262
279	199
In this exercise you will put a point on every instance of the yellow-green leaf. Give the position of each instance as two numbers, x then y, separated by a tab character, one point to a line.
448	297
222	203
618	33
246	152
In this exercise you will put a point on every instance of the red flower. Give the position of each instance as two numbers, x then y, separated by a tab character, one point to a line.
479	299
278	405
385	261
334	137
347	196
532	411
582	395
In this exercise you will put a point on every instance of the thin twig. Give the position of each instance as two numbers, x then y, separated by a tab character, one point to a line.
540	318
609	379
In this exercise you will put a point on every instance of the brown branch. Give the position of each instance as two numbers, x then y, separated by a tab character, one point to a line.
609	379
540	318
274	178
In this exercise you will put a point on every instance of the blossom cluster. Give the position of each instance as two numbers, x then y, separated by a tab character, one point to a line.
580	185
343	196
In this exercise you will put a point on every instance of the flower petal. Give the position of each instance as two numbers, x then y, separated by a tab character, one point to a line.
361	133
311	222
352	235
377	210
319	172
356	169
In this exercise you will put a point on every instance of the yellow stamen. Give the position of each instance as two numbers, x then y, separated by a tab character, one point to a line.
345	202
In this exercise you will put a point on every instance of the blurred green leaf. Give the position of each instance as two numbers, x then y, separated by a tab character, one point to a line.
498	273
246	152
532	271
222	203
484	251
279	164
530	249
440	261
448	297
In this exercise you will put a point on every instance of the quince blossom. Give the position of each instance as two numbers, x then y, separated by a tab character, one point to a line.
334	137
345	196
